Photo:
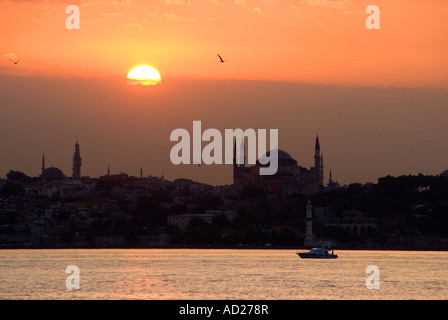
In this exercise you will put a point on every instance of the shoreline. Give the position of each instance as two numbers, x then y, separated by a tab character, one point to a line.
344	248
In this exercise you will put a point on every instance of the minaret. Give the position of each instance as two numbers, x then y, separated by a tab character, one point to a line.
77	162
108	170
321	169
332	185
317	167
43	162
309	239
141	171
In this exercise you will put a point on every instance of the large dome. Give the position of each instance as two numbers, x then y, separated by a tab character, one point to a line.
284	158
444	173
52	173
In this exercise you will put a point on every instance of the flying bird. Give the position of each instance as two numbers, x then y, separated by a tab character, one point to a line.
15	61
197	163
221	59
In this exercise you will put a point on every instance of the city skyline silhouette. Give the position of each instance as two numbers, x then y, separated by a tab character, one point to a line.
368	132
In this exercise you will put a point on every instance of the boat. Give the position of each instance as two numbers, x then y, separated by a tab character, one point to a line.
318	253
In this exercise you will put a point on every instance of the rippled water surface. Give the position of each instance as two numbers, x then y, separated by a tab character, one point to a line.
221	274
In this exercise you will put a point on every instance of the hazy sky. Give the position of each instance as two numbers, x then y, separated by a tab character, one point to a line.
377	98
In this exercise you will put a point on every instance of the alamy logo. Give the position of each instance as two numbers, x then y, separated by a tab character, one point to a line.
373	280
373	20
72	281
234	139
72	21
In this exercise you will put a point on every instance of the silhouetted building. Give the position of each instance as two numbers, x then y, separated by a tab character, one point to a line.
318	168
51	178
290	177
52	173
183	220
77	162
355	222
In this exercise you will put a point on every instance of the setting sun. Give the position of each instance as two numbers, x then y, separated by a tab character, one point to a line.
144	75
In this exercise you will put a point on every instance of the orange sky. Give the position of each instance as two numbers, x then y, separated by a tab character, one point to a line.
377	98
311	41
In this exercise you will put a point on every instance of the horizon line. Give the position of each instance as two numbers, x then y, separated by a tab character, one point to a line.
213	79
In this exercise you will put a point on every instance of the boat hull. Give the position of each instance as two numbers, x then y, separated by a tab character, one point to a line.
306	255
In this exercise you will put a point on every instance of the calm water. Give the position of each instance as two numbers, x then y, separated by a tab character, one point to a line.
221	274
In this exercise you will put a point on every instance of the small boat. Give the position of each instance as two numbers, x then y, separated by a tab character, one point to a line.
318	253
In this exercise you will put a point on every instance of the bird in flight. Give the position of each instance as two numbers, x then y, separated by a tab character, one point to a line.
221	59
15	61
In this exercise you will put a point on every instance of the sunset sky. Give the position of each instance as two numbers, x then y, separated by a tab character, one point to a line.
377	98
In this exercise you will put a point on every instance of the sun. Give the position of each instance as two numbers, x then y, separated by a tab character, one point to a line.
144	75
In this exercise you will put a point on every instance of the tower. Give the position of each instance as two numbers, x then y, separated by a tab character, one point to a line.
332	185
318	167
43	162
141	171
321	181
77	162
309	239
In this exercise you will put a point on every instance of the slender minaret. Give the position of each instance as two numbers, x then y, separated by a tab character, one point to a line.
141	171
77	161
332	185
309	239
321	181
43	162
108	170
317	167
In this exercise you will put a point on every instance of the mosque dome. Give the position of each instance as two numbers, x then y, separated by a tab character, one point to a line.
284	158
52	173
445	173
